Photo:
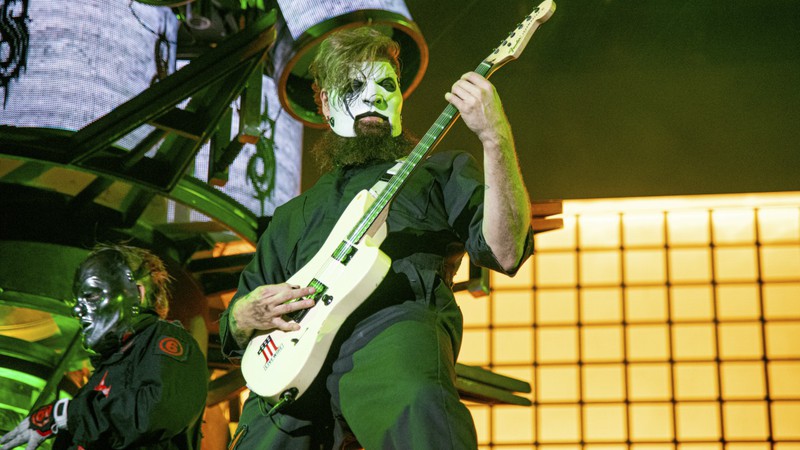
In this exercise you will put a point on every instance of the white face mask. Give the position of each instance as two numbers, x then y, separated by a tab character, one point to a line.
375	96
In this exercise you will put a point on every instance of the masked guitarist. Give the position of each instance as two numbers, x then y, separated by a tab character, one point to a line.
389	378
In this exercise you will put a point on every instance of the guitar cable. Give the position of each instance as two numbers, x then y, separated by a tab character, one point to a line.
287	398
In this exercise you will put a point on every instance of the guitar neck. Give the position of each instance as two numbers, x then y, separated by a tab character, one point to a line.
428	142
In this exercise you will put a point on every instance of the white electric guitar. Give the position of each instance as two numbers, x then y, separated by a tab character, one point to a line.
280	365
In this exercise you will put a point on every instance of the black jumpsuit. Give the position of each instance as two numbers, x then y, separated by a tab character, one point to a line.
149	394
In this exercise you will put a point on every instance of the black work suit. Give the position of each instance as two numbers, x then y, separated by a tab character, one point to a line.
149	394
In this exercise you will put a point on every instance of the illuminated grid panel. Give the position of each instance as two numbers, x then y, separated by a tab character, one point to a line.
302	15
649	325
85	58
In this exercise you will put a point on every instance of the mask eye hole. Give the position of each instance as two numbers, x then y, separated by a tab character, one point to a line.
352	91
355	88
93	296
389	84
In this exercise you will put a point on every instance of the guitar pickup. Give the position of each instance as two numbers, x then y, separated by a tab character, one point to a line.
320	294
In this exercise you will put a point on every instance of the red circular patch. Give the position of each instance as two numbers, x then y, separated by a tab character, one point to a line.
42	416
171	346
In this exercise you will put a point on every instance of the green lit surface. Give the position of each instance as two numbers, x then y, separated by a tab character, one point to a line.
21	377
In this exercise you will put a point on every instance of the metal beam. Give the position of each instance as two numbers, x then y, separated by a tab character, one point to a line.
214	65
225	387
9	297
179	121
218	206
214	103
49	390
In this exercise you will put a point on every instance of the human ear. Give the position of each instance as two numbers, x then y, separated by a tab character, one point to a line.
326	109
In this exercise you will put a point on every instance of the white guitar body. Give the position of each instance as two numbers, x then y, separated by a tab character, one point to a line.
277	361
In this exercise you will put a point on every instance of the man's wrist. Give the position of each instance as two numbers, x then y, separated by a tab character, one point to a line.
241	335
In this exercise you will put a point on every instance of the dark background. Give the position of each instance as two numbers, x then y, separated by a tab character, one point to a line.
619	98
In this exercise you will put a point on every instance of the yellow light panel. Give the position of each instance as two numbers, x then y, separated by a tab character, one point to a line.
651	324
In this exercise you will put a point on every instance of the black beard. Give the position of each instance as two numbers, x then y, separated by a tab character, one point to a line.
373	143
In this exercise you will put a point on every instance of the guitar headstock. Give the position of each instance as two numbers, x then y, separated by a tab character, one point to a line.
515	43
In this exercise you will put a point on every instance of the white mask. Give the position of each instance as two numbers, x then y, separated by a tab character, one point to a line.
376	96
